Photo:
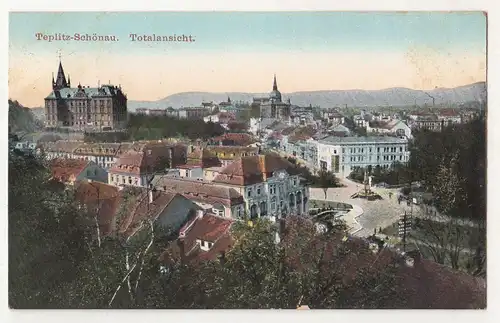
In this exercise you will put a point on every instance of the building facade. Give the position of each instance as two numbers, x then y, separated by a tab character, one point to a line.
138	166
85	108
342	155
269	184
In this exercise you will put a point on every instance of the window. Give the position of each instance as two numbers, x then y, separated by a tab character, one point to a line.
112	178
343	150
130	180
249	193
210	244
258	191
203	243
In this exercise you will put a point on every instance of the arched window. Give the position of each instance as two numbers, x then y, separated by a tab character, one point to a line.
253	211
291	201
263	208
298	201
273	205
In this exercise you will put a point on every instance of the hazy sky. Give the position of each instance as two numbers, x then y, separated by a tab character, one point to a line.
240	52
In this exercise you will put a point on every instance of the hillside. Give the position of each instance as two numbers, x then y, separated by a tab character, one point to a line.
21	119
325	99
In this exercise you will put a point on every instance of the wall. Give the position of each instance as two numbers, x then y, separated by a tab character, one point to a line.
94	172
175	214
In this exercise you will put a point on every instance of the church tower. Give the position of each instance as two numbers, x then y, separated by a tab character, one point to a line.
275	95
60	82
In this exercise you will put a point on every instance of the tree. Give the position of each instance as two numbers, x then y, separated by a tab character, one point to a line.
444	234
326	180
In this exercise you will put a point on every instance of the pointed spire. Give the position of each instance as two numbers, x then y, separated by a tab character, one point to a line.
69	82
61	79
275	85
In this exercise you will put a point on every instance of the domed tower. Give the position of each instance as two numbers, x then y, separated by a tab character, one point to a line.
275	95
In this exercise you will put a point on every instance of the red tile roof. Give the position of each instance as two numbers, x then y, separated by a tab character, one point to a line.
100	197
209	228
254	169
239	139
66	170
145	159
199	191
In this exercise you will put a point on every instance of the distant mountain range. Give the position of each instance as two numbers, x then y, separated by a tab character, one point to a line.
334	98
22	119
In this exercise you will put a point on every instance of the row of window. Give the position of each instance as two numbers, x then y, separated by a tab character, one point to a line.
293	202
272	189
362	150
125	180
362	158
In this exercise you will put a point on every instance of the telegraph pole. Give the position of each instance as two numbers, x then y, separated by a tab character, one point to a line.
404	227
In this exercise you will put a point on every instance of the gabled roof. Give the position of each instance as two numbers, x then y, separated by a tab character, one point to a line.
141	209
339	128
65	169
145	158
199	191
253	169
209	228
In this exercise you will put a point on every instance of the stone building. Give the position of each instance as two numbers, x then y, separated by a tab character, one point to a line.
84	108
275	108
269	184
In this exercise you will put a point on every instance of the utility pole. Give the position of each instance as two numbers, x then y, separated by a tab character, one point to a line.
404	228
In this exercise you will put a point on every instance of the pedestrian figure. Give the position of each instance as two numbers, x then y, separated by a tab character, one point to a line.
380	230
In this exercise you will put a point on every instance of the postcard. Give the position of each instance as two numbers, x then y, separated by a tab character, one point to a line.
247	160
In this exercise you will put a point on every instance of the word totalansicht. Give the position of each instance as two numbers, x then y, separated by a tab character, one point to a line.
162	38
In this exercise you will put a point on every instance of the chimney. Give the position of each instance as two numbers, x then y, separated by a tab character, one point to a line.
150	195
262	166
180	243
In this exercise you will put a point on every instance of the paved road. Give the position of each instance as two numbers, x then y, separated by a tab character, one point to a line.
367	215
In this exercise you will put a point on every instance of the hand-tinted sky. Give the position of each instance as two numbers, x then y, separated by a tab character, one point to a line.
236	51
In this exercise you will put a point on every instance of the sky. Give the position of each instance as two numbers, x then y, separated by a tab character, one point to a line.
241	51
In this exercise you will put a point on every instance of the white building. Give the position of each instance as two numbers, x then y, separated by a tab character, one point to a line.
341	155
254	126
396	127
